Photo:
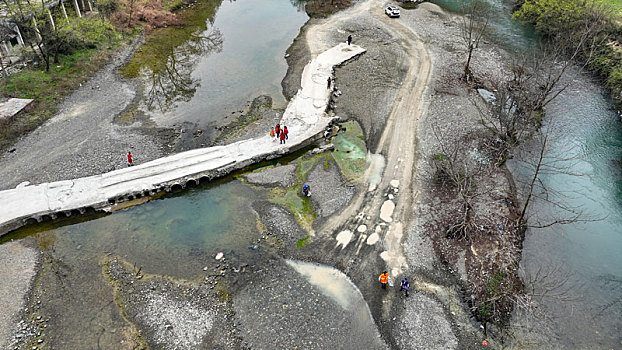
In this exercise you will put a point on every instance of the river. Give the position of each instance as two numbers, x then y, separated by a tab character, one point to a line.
581	261
228	53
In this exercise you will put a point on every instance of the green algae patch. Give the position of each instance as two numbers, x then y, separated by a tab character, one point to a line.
303	242
291	200
305	166
350	151
46	240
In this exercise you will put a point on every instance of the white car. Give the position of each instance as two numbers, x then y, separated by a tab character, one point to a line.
392	11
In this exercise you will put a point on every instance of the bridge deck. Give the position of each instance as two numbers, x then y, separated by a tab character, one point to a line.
305	118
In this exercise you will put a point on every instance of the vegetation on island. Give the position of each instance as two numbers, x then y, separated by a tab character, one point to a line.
321	8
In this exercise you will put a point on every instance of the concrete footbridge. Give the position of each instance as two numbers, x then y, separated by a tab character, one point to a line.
305	117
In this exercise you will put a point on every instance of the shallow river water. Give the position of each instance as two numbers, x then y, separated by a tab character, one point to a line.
586	256
228	53
175	236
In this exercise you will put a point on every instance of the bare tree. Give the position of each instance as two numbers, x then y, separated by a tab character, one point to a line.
131	5
457	169
550	281
474	24
534	81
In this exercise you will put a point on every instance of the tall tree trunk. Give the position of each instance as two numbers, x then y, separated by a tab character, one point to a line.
467	69
45	56
532	183
4	73
62	7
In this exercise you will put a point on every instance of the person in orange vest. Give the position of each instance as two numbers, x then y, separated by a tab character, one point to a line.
384	279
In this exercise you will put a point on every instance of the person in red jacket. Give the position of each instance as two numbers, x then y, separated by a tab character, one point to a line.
282	137
130	162
285	131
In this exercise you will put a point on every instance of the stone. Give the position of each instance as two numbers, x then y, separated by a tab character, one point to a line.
13	106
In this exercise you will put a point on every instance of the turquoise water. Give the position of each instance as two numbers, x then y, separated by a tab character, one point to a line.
250	62
587	254
503	30
175	237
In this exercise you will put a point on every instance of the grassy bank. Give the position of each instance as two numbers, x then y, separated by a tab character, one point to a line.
80	54
597	23
48	89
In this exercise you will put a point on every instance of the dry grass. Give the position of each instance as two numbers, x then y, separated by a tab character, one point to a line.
148	14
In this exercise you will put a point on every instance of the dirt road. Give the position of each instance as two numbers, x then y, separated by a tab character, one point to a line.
397	143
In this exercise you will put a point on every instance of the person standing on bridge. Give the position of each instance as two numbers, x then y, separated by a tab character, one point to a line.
282	137
130	161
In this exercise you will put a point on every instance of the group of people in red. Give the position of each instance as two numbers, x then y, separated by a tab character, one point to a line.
280	133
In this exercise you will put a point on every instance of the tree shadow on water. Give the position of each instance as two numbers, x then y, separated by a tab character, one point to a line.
171	79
